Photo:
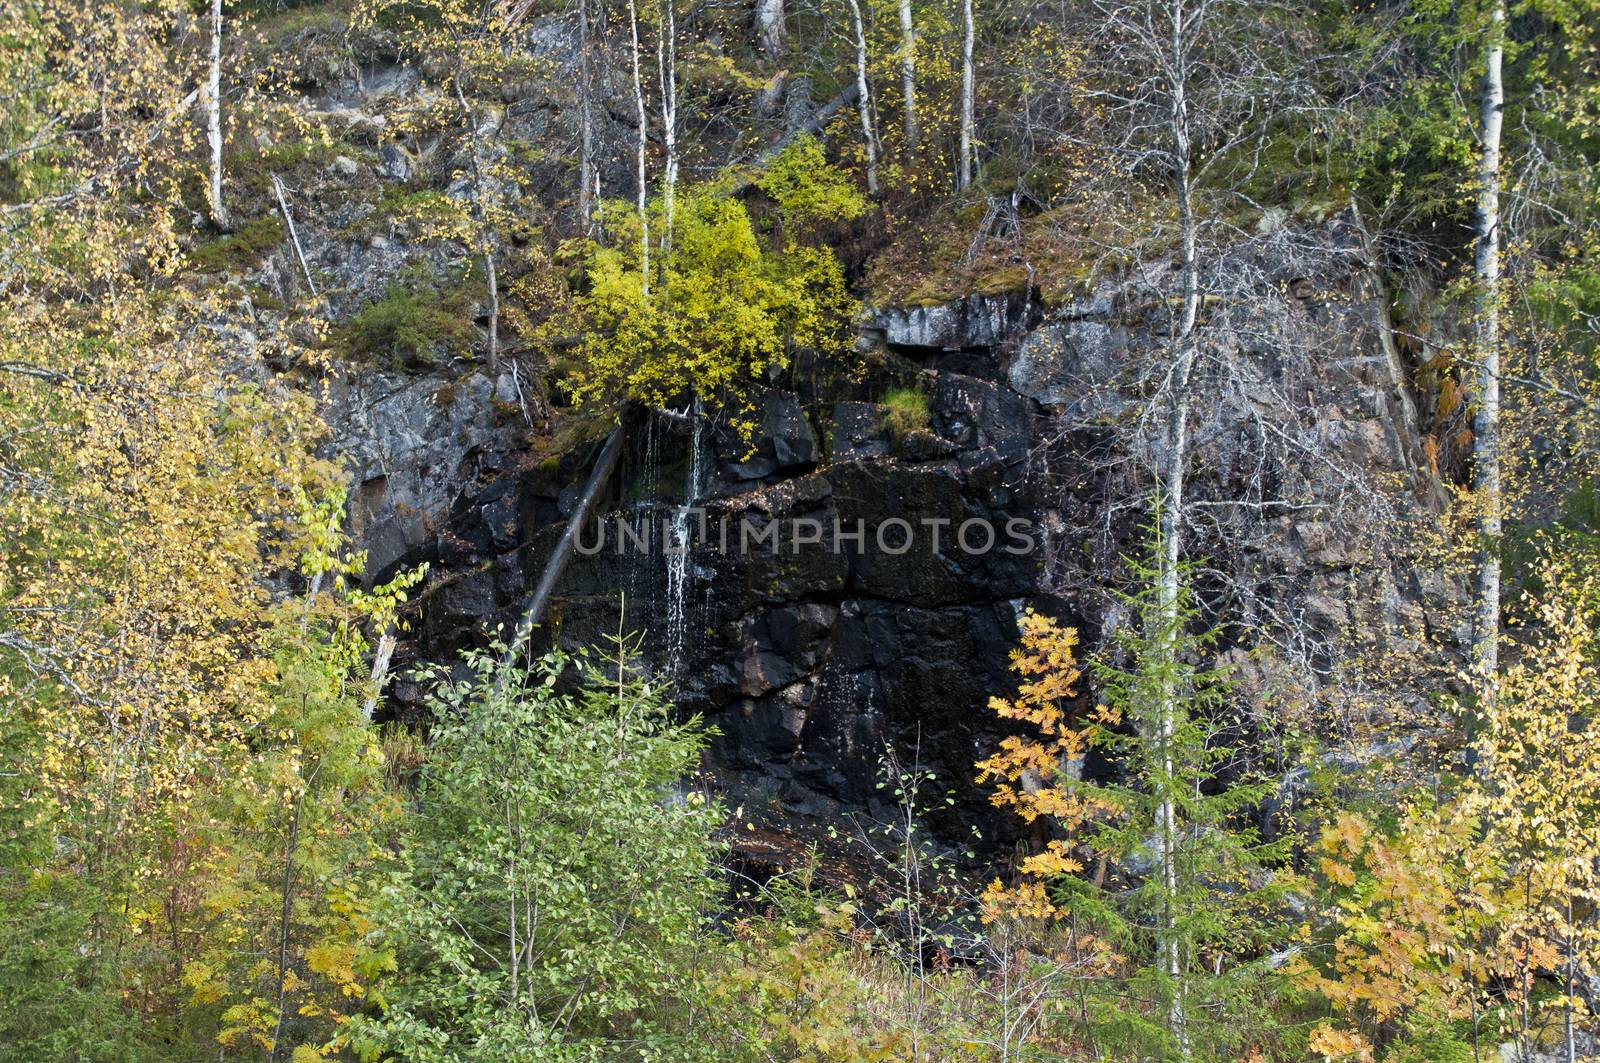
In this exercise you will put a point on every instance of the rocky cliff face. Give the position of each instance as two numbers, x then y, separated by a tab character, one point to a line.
809	658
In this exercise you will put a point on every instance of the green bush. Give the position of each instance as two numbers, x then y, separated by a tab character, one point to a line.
550	900
415	322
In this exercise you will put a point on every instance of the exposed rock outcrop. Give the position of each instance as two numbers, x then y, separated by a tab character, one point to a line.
808	653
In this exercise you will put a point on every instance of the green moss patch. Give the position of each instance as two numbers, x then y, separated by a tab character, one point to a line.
244	247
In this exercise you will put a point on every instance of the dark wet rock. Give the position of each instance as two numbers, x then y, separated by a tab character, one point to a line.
888	618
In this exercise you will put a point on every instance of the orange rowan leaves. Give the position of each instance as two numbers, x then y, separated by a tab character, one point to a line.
1036	776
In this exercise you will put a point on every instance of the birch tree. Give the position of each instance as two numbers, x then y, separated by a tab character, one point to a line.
213	110
641	145
1184	85
908	73
771	30
864	98
1486	422
588	172
964	166
667	69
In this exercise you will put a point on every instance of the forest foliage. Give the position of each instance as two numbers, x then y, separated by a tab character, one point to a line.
209	847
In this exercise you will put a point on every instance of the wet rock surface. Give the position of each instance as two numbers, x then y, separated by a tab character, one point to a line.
846	588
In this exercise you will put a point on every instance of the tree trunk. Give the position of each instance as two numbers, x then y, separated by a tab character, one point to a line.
864	98
299	252
771	31
285	917
964	172
1174	456
586	165
667	66
540	599
481	216
642	143
908	72
1486	422
493	281
213	104
380	672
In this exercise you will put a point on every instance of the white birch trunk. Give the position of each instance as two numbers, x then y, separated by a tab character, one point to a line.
964	171
213	105
771	32
908	72
299	253
667	67
642	143
493	348
864	98
1175	447
1486	422
380	672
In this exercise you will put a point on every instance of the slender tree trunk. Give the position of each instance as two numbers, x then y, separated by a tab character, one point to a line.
493	281
642	144
380	672
285	916
771	30
908	72
213	104
964	172
1175	447
300	253
586	165
540	599
1568	1034
1486	422
864	98
667	67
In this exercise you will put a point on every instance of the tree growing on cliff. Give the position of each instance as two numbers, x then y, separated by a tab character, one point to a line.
718	310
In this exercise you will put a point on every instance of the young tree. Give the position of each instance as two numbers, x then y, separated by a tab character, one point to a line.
667	69
641	145
588	172
1457	911
964	163
1188	916
1486	423
552	892
213	109
1204	913
908	73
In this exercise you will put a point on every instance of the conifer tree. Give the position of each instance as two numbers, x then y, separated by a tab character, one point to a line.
1177	934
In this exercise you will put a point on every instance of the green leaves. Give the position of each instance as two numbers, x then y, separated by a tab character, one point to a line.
552	891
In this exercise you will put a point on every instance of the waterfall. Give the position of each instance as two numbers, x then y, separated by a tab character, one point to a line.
677	547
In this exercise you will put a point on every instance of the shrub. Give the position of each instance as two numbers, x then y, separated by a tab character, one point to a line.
241	248
414	323
546	824
810	194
